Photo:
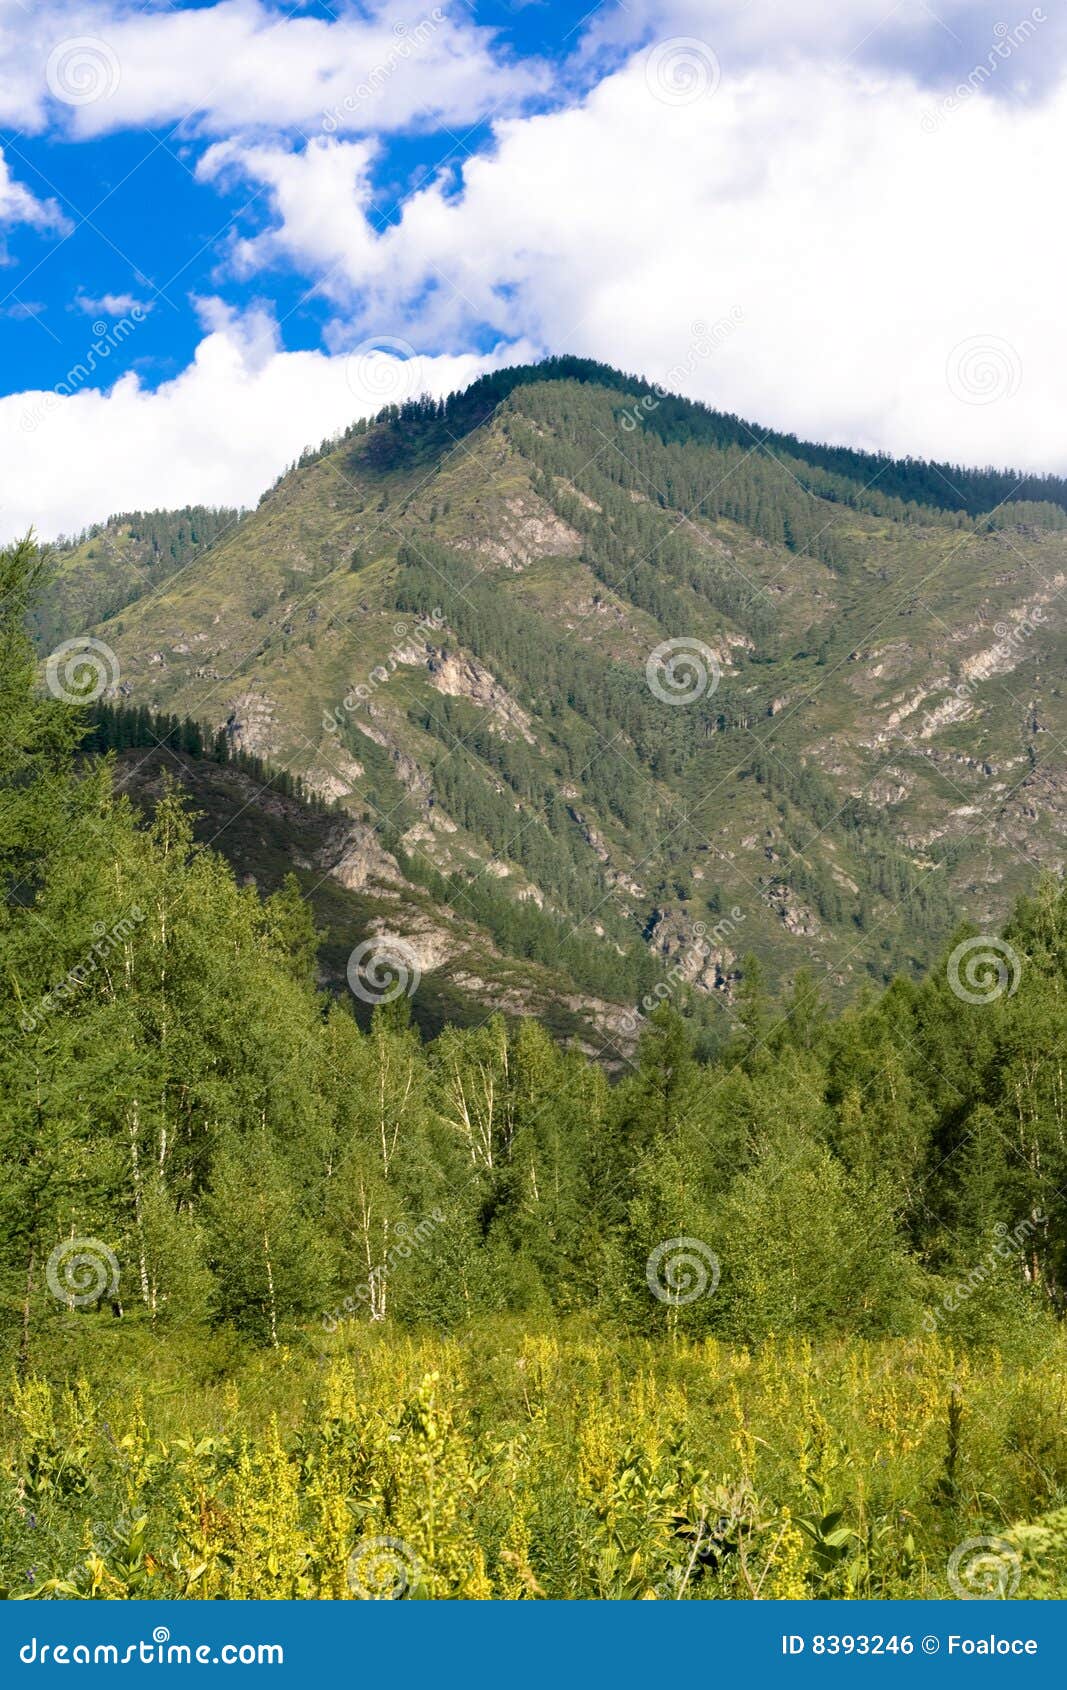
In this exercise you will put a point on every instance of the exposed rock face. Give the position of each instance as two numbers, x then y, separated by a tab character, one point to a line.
890	787
693	952
616	1028
338	780
576	493
890	683
1042	796
361	859
844	880
427	943
249	726
589	833
407	771
619	1028
459	676
429	840
948	711
528	530
793	913
883	663
597	844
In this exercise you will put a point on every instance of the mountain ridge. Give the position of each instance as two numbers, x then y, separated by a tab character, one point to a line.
444	619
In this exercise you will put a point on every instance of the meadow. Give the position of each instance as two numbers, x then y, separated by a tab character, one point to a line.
519	1464
295	1305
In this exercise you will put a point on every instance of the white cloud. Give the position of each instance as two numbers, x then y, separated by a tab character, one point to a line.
110	304
321	196
864	236
18	205
863	230
93	66
218	434
932	43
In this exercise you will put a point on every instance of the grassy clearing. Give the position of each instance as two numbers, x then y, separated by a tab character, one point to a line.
510	1463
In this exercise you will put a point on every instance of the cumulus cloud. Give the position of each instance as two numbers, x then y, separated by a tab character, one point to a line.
95	66
828	222
935	46
860	230
217	434
110	304
18	205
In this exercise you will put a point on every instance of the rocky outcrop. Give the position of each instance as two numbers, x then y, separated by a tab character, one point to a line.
459	676
428	943
336	781
526	529
693	953
599	846
250	724
791	910
415	780
360	859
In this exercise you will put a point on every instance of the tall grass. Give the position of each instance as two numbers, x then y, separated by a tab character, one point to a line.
509	1463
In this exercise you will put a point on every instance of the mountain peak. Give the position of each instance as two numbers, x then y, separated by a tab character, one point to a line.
599	667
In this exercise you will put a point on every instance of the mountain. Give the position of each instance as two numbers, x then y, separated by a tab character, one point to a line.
96	574
613	690
357	889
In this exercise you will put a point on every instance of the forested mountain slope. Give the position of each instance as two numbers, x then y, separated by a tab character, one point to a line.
449	622
280	1282
96	574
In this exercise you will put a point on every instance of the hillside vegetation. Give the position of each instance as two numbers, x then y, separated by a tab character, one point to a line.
444	621
278	1289
96	574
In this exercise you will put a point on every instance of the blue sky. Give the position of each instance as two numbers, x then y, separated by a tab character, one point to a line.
144	227
227	227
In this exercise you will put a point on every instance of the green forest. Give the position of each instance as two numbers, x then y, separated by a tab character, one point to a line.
277	1289
99	571
836	471
874	752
